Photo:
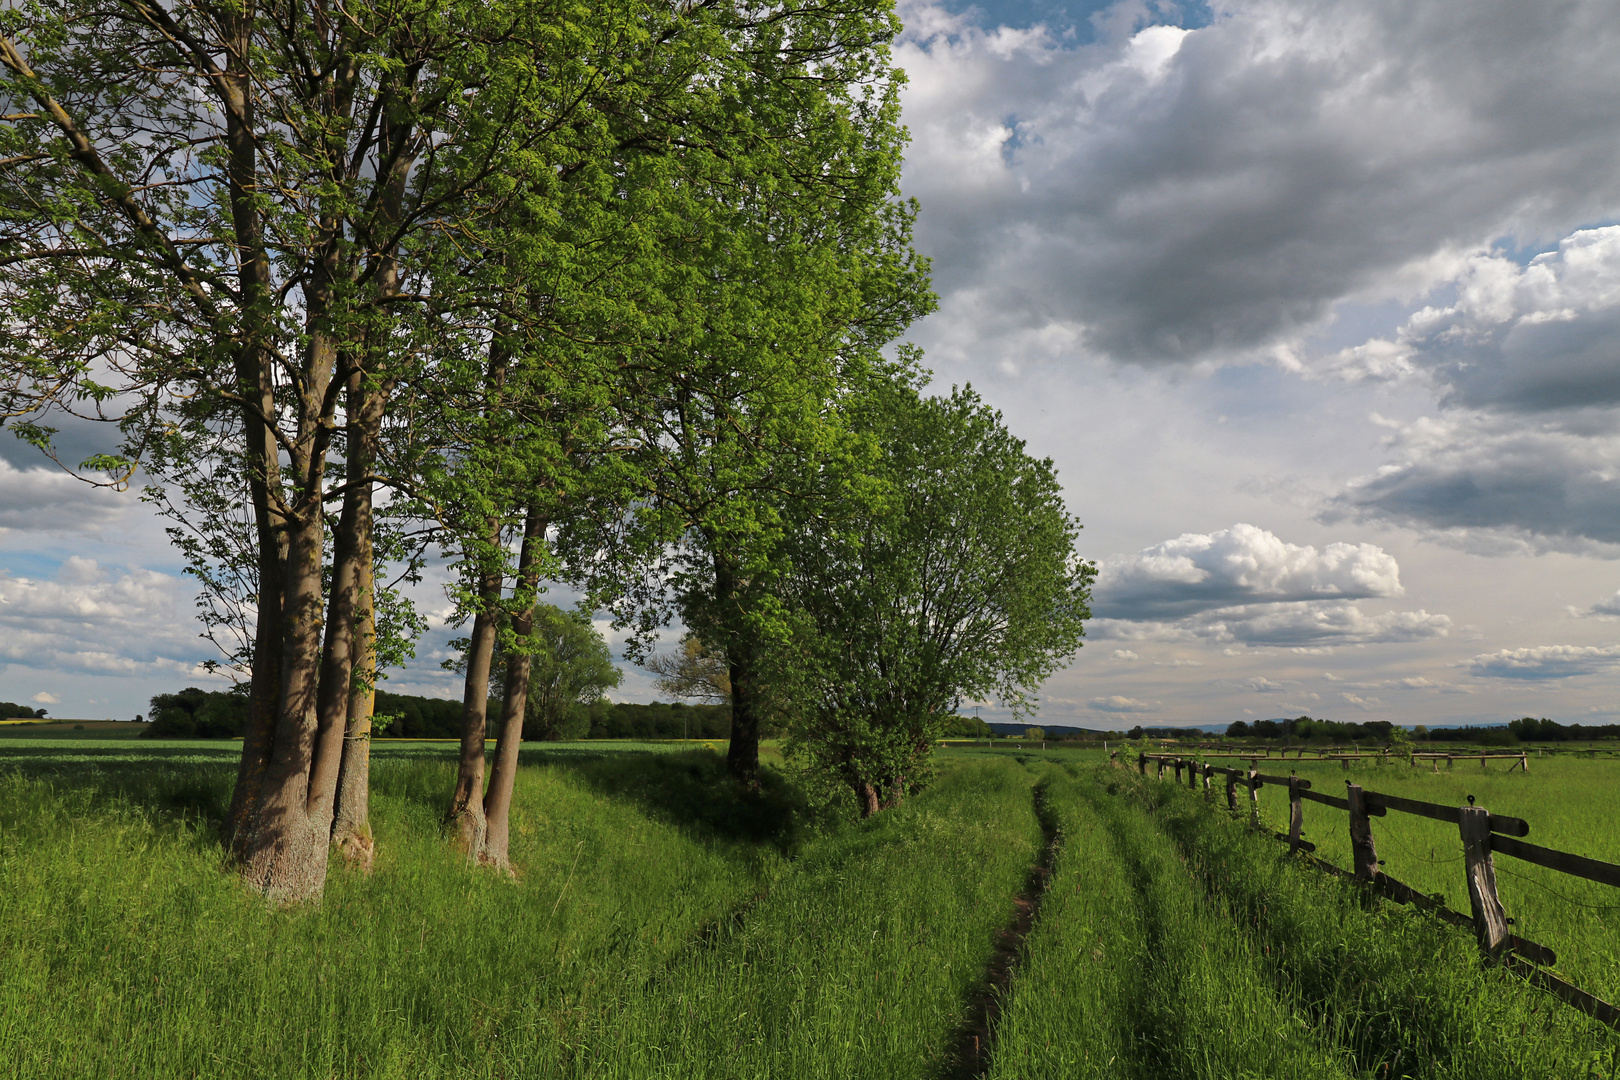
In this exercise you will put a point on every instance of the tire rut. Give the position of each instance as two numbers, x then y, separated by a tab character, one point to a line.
971	1045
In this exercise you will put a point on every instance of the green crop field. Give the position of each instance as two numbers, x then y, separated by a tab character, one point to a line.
667	924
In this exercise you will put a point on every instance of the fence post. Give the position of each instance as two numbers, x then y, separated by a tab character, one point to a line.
1193	768
1490	920
1363	855
1160	774
1141	763
1208	771
1231	790
1254	797
1296	813
1524	760
1176	765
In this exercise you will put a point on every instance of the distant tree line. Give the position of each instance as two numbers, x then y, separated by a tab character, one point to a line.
1303	727
10	710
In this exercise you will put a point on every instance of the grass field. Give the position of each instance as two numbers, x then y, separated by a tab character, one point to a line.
667	924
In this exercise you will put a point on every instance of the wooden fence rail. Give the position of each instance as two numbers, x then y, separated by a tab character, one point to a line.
1481	833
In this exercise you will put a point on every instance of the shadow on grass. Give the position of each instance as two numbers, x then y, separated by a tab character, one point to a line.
692	791
191	782
687	789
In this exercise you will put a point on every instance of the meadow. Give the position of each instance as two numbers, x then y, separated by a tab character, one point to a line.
667	924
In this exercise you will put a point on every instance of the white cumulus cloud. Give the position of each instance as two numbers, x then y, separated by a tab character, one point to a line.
1240	565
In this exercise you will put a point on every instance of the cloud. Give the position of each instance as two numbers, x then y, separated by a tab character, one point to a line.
1545	662
45	697
1496	484
1117	704
1296	626
1539	337
89	621
1125	654
1244	564
1604	609
1244	585
49	500
1262	685
1171	195
1366	704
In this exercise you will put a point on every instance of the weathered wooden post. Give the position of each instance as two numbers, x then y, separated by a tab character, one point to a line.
1160	774
1176	765
1208	771
1231	790
1141	763
1363	854
1254	797
1296	813
1524	760
1490	919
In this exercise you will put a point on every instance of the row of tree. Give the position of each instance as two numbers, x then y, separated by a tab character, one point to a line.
193	713
596	293
1302	728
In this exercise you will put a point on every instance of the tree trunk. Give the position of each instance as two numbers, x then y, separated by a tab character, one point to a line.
351	825
868	796
285	851
465	817
742	753
261	465
498	800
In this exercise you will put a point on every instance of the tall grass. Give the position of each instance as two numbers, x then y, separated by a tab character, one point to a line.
664	923
1131	972
130	950
1394	989
1570	805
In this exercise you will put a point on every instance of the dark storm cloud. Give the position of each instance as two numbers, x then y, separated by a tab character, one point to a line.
1495	476
1180	195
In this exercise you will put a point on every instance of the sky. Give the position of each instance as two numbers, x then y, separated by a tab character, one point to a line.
1313	305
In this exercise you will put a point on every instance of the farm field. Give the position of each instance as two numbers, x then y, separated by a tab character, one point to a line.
666	924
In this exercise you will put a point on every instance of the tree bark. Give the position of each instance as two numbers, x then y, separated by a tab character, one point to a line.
465	818
351	825
498	800
867	795
260	464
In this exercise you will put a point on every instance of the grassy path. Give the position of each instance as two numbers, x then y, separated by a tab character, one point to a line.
1129	973
1240	961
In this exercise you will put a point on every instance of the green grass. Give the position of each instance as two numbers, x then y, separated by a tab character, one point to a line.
1570	805
1201	948
666	923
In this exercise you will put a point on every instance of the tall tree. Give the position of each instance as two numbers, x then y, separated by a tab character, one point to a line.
953	576
233	229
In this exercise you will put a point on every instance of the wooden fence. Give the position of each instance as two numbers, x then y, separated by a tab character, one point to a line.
1482	834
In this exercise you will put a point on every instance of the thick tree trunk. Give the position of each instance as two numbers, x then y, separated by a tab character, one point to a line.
502	780
284	853
351	825
260	462
742	753
465	818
